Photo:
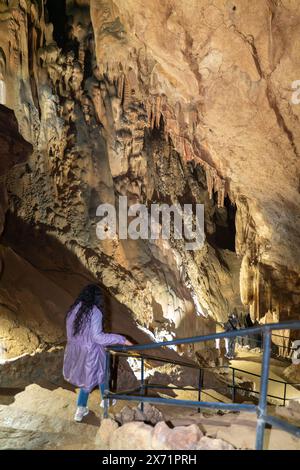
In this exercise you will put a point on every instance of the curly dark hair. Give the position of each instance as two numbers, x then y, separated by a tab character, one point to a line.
89	296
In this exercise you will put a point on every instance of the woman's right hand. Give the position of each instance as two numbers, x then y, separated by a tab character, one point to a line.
128	343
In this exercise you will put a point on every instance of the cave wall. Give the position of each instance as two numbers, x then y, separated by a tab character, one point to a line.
222	77
162	102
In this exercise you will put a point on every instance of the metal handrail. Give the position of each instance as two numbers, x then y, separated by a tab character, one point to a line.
193	366
289	325
260	409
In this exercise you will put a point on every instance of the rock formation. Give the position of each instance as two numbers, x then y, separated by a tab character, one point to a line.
141	436
41	418
160	102
14	150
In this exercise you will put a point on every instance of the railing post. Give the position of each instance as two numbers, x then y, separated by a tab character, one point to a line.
107	379
261	411
284	394
233	385
200	384
142	382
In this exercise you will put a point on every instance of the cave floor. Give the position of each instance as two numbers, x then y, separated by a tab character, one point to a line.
41	415
41	418
251	361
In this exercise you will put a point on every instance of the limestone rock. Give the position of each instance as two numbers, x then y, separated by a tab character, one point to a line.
195	107
178	438
290	412
38	367
242	436
107	427
99	130
150	414
14	148
207	443
141	436
132	436
292	373
40	418
126	415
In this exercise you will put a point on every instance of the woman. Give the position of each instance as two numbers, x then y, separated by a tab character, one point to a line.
84	360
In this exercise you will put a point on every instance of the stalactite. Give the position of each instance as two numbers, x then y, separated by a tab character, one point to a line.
256	294
2	92
81	53
258	291
152	123
127	94
121	81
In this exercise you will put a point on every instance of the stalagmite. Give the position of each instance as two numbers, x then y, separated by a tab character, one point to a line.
246	281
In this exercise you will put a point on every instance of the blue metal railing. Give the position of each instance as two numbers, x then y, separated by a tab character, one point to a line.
261	409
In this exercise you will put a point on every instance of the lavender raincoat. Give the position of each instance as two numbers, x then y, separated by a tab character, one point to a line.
84	359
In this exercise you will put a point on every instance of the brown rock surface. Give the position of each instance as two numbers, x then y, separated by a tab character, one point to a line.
178	438
107	427
215	80
292	373
94	139
131	436
160	102
14	149
207	443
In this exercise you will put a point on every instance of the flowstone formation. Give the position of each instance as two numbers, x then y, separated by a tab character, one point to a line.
14	151
161	102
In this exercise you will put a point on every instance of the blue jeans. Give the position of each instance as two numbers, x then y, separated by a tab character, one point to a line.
84	396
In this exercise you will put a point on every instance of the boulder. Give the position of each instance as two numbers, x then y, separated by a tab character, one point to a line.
132	436
207	443
178	438
107	427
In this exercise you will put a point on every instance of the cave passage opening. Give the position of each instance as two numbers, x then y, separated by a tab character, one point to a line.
225	232
57	15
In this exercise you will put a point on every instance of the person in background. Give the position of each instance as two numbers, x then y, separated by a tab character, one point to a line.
231	325
84	358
